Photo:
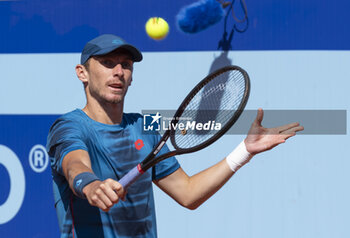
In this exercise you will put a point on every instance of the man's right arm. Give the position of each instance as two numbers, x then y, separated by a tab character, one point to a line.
102	194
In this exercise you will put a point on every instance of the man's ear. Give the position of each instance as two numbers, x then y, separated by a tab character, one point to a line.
82	73
130	82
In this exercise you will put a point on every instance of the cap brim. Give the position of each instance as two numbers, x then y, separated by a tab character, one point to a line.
135	53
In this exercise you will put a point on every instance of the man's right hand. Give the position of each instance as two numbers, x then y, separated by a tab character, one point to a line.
101	194
104	194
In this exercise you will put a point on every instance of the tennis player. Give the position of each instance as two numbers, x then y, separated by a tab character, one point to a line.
93	147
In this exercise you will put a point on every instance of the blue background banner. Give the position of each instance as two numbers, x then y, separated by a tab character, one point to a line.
64	26
20	133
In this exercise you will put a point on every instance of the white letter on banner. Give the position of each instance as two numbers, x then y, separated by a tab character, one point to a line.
14	201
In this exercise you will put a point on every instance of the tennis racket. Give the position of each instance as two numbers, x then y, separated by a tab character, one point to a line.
219	99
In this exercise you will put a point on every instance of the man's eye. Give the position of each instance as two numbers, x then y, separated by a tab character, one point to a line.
126	65
108	63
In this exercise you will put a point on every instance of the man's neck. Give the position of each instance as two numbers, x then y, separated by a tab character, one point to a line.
105	113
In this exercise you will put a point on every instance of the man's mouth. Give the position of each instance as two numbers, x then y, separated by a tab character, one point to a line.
116	86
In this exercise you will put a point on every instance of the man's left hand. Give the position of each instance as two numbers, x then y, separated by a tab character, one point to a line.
260	139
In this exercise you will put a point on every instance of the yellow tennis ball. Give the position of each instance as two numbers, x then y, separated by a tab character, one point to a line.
157	28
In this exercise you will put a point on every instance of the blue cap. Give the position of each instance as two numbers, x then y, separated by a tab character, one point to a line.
105	44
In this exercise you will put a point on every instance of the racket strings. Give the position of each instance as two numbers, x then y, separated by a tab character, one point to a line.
232	91
212	106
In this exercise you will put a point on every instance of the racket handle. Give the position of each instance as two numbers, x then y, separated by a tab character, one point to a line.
131	176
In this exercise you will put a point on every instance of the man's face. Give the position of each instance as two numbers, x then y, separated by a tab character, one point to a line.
110	76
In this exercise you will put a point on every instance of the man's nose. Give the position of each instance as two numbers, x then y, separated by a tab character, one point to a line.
118	70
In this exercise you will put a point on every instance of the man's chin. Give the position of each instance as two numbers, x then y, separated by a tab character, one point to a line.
112	99
115	100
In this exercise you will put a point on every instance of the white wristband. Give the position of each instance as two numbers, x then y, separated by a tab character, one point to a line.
238	157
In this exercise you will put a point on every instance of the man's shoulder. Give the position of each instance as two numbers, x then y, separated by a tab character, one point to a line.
74	117
68	125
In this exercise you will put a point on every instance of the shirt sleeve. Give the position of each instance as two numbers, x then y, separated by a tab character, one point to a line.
64	136
165	167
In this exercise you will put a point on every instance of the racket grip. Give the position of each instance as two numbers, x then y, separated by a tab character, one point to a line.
131	176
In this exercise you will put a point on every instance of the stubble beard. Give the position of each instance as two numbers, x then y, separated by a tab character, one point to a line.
104	99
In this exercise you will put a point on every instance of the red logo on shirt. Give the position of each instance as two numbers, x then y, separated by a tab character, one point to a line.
139	144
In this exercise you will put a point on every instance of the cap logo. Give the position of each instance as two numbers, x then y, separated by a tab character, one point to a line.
117	42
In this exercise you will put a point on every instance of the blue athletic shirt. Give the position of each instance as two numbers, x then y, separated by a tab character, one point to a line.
112	153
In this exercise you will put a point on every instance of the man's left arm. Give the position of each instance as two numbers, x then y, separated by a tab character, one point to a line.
192	191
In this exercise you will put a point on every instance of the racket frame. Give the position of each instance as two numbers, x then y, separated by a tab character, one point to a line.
150	160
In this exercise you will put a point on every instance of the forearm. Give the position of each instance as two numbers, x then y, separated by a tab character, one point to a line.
203	185
74	170
191	192
74	163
